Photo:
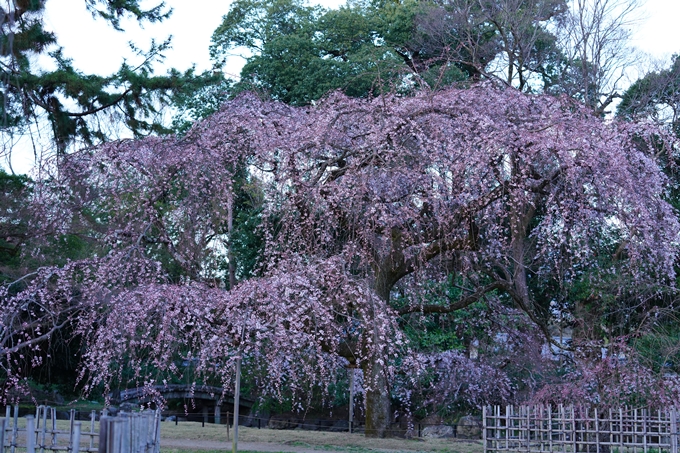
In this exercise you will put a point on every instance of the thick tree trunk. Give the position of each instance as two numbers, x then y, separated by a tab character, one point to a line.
378	407
378	404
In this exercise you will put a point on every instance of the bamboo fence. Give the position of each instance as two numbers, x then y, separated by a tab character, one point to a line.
126	433
570	429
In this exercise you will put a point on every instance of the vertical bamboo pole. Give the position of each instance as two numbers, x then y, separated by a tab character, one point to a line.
674	431
543	420
621	430
597	432
562	436
610	427
497	425
484	425
550	427
527	413
644	430
635	430
573	429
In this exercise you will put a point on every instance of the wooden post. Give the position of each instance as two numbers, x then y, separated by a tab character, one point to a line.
30	434
42	414
350	371
3	423
93	415
71	421
157	440
75	438
103	434
237	397
54	427
218	409
15	428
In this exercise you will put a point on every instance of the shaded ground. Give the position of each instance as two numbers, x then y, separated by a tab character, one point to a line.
191	436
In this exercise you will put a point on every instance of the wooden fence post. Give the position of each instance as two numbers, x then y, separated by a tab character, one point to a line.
30	434
15	429
3	423
157	439
103	434
75	437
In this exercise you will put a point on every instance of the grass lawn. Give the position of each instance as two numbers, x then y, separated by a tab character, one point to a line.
192	437
299	439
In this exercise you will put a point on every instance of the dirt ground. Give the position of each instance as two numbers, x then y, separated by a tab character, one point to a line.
192	436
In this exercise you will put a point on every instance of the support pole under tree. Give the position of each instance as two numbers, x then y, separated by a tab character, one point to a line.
350	371
237	396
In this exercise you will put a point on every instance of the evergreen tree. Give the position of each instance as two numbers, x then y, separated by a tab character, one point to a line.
76	105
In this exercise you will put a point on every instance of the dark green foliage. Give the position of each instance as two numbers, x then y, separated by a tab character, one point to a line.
114	10
439	332
659	346
299	53
14	197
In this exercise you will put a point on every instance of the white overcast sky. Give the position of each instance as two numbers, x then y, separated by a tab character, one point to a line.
95	47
